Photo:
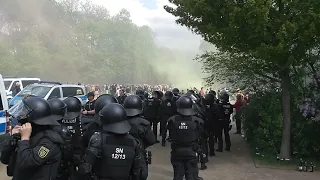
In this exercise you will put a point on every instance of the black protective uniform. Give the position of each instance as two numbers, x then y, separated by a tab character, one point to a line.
225	110
167	109
73	121
151	111
95	125
67	165
37	158
185	130
199	108
212	116
140	129
113	154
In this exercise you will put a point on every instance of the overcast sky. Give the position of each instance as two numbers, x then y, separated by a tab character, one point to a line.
151	13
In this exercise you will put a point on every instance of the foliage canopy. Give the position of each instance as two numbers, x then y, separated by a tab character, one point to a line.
269	39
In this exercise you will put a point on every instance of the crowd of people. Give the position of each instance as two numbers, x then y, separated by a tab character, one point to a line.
108	137
127	88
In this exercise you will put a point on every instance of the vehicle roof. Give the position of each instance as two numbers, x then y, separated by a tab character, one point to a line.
18	78
57	85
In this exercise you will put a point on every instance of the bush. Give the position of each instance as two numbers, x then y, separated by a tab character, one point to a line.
262	121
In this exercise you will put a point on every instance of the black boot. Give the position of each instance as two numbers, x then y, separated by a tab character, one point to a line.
163	142
203	166
212	153
228	148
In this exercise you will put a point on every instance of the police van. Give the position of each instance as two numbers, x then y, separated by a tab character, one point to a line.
10	83
4	118
48	90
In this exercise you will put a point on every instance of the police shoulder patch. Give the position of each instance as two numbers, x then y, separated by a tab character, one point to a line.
43	152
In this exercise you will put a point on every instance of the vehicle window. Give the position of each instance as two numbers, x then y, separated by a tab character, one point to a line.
28	82
7	84
13	85
35	90
55	93
72	91
1	105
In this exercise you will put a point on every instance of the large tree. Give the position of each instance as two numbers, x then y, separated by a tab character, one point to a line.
274	35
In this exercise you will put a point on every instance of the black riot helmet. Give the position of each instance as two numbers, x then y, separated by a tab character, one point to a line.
160	94
184	106
58	107
213	92
157	93
34	110
114	119
190	92
209	99
225	97
74	107
139	92
168	95
133	105
102	101
175	91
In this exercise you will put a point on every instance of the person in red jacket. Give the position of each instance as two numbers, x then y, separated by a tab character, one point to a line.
237	106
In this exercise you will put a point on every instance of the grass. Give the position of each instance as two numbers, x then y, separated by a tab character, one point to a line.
270	161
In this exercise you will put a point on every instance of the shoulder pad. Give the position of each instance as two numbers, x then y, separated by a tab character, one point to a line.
95	139
196	119
139	121
133	138
172	118
144	122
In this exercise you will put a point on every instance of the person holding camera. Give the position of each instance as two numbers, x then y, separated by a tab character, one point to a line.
33	153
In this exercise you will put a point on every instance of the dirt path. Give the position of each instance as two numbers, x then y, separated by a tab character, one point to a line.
234	165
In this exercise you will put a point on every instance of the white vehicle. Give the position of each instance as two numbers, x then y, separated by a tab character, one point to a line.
48	90
4	119
11	82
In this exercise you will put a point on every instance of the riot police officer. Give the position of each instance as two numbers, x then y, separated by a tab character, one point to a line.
34	150
167	109
113	152
151	111
72	120
226	109
96	124
214	95
211	114
58	107
185	130
176	95
199	108
140	129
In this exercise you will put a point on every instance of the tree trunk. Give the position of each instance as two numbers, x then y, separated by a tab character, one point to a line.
285	151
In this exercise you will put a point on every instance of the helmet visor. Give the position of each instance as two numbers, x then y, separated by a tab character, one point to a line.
20	111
